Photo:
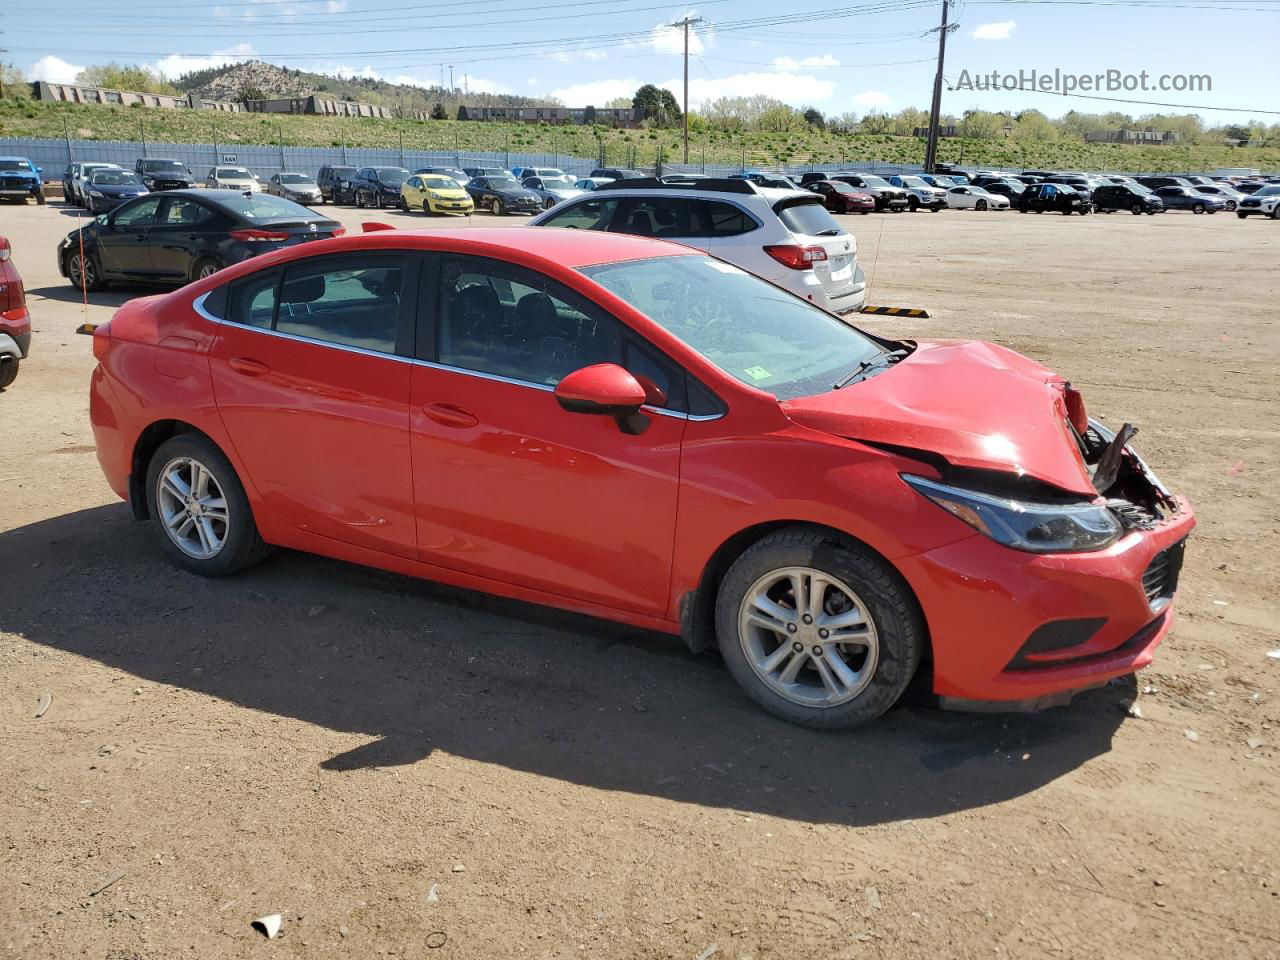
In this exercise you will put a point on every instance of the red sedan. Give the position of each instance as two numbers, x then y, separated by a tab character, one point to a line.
841	198
627	428
15	321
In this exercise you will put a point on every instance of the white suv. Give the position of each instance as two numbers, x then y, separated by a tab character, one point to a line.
786	236
1264	202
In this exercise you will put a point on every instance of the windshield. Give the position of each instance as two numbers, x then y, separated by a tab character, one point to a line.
876	181
265	206
15	165
163	165
557	182
981	191
504	183
114	178
440	183
546	172
342	171
747	327
392	174
233	173
913	182
294	178
1267	191
839	187
1138	188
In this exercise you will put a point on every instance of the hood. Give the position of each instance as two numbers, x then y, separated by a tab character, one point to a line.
119	189
975	404
520	193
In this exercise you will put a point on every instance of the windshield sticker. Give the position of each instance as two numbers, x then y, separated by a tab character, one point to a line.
758	373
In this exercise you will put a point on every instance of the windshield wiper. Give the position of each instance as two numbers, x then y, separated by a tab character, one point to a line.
829	233
884	359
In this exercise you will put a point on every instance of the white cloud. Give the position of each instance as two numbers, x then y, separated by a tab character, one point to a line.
1000	30
54	70
792	88
568	56
474	84
335	6
872	98
176	64
665	38
790	63
597	93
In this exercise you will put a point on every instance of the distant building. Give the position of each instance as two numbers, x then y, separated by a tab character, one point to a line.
627	117
1138	137
944	130
99	96
317	104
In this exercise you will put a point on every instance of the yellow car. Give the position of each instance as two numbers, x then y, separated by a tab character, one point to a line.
434	193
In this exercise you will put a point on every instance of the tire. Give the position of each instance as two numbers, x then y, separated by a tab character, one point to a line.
1231	206
913	204
426	208
1136	209
404	205
239	545
496	207
377	200
8	371
877	670
980	205
204	267
1275	213
40	198
92	272
359	201
1197	208
1244	216
936	207
549	204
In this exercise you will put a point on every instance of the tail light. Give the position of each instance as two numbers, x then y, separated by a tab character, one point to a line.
101	340
1075	410
4	249
258	236
795	256
337	231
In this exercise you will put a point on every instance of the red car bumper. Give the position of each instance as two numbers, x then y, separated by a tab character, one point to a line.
1026	630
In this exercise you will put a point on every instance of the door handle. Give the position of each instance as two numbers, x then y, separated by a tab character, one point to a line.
247	366
448	415
140	237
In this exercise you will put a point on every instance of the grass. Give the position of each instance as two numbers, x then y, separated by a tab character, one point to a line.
24	118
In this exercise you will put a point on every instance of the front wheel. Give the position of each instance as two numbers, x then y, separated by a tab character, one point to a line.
1137	209
913	204
980	205
359	200
404	205
1244	216
496	207
204	268
1198	208
818	631
40	198
1231	206
198	508
83	272
1275	214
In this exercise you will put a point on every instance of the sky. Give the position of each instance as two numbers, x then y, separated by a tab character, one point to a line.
870	55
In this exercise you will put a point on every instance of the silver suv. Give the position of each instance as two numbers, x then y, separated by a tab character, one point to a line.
785	236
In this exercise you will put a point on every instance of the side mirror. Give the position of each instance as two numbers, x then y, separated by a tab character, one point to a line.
605	389
39	169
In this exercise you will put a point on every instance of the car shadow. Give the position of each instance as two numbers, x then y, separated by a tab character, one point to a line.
417	667
114	297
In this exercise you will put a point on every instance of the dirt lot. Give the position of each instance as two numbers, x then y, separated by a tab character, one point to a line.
407	770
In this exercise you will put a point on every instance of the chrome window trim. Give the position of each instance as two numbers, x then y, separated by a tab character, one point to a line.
198	306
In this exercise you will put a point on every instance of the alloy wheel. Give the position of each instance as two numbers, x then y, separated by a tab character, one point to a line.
207	270
808	636
81	271
192	507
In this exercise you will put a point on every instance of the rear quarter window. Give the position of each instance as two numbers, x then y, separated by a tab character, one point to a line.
810	219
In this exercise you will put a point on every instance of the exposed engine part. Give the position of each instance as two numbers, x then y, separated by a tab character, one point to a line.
1132	516
1107	470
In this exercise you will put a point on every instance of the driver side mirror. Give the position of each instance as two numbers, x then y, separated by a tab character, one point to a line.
605	389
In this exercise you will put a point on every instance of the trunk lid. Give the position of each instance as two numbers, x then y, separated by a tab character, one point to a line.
809	221
975	404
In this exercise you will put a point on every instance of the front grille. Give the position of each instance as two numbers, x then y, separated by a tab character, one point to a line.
14	183
1250	203
1160	579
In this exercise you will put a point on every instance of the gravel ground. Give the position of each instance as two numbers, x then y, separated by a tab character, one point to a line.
402	769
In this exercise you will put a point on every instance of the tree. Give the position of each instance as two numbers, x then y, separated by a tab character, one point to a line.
134	79
619	103
814	118
780	119
981	125
14	82
657	105
438	112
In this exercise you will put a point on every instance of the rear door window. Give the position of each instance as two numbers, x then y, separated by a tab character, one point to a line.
656	217
353	302
586	215
716	218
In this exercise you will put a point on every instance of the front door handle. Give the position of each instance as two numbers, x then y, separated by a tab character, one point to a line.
449	415
248	366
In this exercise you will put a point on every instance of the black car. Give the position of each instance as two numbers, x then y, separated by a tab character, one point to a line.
160	174
615	173
335	184
473	172
887	196
108	188
501	195
1135	198
1186	198
175	237
378	186
1006	188
1052	197
1155	183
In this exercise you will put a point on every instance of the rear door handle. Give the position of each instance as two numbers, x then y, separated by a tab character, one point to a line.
448	415
248	366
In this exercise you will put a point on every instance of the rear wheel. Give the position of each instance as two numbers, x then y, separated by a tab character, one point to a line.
205	267
818	631
8	371
199	510
1231	206
1197	208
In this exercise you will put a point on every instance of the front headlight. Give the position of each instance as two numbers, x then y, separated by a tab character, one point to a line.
1025	525
95	193
433	195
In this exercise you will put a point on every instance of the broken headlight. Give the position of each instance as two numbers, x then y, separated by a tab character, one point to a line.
1022	524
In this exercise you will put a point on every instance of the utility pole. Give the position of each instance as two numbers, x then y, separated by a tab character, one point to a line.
451	86
931	148
686	23
3	51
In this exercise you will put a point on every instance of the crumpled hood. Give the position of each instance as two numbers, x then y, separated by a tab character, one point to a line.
975	404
